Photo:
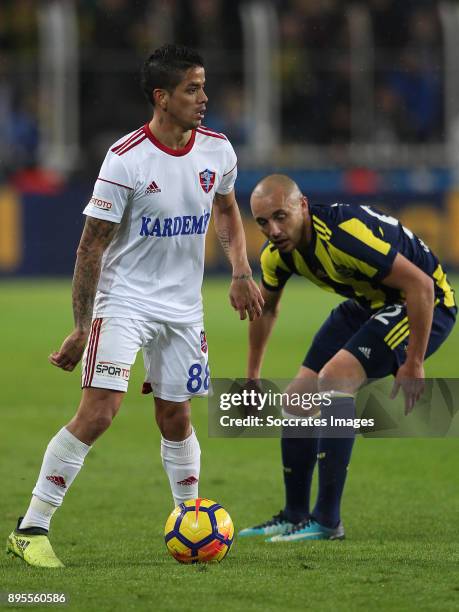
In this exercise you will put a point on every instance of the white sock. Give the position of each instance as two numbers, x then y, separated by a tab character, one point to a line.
63	460
182	462
38	514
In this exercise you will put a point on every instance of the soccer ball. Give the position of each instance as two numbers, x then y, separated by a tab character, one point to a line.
199	531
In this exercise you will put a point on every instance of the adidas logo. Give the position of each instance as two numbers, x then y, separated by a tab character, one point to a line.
22	544
187	482
365	350
58	481
152	188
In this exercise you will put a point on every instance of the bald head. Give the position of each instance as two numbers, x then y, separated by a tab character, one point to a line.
281	211
279	187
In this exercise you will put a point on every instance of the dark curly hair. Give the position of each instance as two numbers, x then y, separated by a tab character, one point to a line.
165	67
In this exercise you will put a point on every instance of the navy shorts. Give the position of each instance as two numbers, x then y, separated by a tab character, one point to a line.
377	339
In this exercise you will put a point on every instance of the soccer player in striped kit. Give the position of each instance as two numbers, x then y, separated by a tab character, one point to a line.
399	309
137	285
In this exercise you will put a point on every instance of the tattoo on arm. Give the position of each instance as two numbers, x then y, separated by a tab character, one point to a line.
97	235
230	232
224	236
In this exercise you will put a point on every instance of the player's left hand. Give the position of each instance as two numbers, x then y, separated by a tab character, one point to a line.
411	379
245	296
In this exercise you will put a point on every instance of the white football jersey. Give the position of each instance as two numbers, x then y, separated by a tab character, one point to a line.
162	200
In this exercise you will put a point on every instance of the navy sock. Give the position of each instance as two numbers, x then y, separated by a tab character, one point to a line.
334	454
299	457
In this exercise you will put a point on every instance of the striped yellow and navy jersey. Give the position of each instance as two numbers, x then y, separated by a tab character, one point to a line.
351	252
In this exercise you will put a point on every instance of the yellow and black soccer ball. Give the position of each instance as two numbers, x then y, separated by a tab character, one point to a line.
198	531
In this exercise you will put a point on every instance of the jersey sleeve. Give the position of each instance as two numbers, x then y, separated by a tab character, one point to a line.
356	246
112	190
228	179
274	272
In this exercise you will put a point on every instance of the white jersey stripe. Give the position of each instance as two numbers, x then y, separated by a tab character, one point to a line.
203	128
211	134
131	144
125	142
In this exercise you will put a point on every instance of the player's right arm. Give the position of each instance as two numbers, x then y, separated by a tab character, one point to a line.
260	331
97	235
274	275
112	190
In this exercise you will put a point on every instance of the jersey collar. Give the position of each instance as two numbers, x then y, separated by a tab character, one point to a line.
175	152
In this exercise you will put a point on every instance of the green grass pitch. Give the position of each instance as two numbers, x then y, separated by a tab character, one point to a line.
400	507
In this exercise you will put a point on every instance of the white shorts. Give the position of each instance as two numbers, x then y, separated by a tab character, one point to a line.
175	358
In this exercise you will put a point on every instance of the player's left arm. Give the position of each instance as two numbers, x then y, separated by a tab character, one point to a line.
244	293
419	294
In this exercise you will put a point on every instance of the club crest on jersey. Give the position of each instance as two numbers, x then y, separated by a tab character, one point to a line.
207	179
203	342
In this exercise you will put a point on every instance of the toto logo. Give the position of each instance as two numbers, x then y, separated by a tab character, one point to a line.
100	203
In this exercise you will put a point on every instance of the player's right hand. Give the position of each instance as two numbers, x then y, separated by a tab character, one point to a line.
71	351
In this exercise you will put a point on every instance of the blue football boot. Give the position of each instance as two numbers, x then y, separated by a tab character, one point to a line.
310	530
278	524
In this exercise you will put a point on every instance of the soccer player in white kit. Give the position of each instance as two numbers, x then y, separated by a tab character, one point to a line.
137	285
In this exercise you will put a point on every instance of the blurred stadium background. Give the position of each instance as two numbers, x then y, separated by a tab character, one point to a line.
359	101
